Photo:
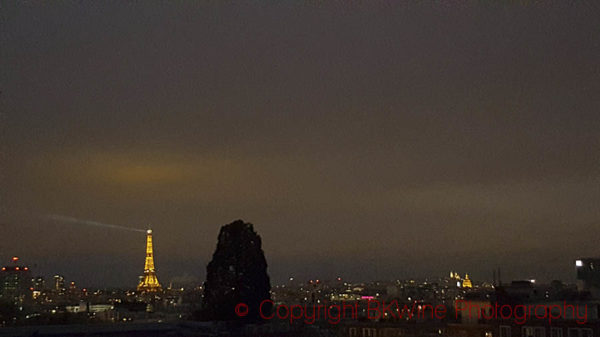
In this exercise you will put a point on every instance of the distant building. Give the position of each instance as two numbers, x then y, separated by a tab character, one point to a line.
467	282
15	282
59	284
39	283
460	282
588	275
523	309
103	312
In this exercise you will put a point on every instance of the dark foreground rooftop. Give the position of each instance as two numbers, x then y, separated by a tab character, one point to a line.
188	329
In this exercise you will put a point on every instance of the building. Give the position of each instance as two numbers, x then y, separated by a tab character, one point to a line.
527	309
39	283
39	286
59	284
15	282
467	282
588	275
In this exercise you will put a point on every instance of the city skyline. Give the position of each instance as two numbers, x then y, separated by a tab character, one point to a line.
188	279
370	141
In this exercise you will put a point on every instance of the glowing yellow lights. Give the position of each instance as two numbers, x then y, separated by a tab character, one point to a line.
467	282
149	282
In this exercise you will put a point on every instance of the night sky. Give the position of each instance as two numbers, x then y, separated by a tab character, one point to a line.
369	140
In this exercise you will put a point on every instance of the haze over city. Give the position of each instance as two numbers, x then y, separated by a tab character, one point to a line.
381	141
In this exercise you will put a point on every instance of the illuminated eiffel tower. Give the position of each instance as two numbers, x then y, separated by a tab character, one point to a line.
149	282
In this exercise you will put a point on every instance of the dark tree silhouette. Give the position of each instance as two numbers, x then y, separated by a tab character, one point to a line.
236	274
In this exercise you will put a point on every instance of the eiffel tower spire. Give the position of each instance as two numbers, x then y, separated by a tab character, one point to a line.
149	282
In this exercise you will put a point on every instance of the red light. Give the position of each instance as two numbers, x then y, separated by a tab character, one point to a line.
25	268
15	258
3	268
16	268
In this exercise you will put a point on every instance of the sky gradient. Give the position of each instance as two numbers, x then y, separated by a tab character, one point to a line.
370	140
